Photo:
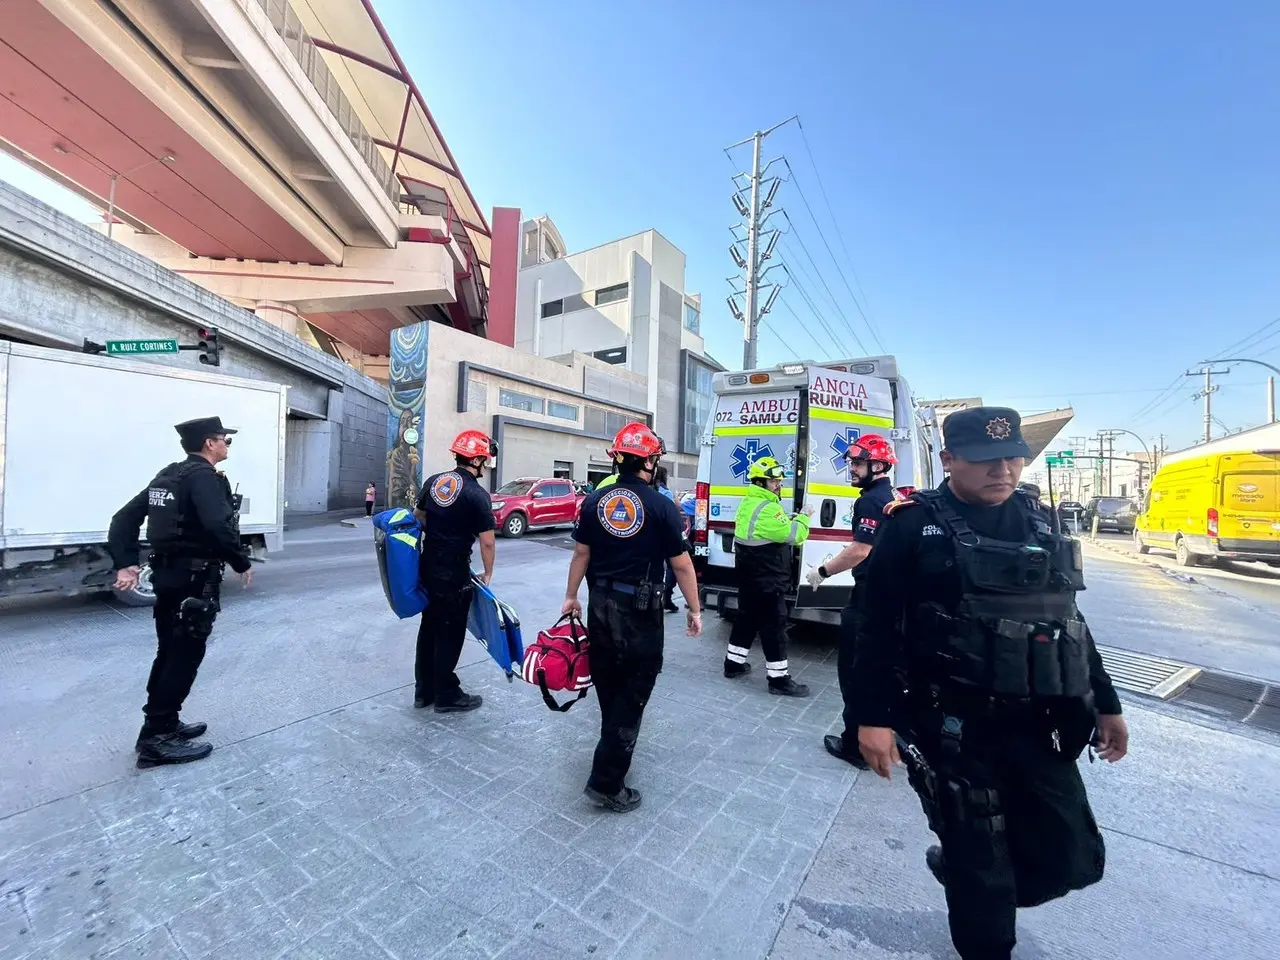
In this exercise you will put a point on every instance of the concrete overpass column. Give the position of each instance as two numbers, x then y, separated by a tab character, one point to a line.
278	314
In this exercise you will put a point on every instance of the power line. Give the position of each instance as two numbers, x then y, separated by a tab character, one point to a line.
807	332
839	236
823	280
817	316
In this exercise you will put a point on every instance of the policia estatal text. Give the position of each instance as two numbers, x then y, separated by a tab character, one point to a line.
970	594
193	527
626	535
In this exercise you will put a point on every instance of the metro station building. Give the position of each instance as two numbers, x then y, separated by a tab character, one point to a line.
279	156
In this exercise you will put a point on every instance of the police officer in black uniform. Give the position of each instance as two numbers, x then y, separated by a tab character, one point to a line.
969	596
626	535
194	529
455	511
870	458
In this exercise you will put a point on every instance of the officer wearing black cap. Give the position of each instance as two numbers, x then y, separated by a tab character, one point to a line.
970	596
193	528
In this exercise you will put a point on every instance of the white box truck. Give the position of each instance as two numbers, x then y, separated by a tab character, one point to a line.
805	415
80	435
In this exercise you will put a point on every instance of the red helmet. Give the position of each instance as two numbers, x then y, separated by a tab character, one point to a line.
872	447
637	440
473	443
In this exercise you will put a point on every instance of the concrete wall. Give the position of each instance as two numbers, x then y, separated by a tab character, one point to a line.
61	282
308	445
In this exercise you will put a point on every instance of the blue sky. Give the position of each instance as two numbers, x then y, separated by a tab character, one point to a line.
1043	206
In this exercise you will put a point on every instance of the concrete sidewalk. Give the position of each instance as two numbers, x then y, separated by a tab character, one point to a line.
335	821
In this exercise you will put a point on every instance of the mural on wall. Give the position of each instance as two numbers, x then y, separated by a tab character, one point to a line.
406	408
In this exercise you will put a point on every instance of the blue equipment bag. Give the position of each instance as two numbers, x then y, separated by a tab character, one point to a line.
497	627
397	536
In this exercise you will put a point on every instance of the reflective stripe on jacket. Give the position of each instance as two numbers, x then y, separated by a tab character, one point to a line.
764	539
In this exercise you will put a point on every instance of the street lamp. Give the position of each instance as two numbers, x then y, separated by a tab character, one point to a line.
1271	398
1151	464
111	194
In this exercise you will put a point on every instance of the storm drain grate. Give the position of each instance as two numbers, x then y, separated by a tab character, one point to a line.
1151	676
1250	702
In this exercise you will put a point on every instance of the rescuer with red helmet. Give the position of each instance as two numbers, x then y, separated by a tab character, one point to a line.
870	458
627	533
454	511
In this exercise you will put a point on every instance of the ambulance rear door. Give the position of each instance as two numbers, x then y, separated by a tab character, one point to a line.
747	426
837	408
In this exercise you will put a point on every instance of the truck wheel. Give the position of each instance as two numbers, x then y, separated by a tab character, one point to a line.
1185	557
515	526
1138	544
143	595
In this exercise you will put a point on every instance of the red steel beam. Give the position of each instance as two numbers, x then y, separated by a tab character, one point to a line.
407	79
361	58
417	156
404	119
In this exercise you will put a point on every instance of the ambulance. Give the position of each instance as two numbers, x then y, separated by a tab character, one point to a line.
805	415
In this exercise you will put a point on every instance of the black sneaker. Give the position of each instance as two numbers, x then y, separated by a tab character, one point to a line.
168	748
835	747
623	801
734	670
936	863
461	704
786	687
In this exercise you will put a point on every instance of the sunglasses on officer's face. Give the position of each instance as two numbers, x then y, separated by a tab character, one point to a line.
224	440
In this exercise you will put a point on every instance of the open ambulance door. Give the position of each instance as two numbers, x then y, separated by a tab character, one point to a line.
835	410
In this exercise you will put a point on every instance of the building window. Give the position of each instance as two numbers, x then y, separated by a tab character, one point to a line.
614	422
562	411
594	421
552	309
691	318
611	294
477	395
520	401
563	470
698	401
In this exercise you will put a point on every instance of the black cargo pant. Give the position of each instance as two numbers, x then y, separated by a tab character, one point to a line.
1017	830
182	632
626	658
441	634
766	614
850	624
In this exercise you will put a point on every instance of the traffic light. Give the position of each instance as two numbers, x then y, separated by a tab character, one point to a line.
209	349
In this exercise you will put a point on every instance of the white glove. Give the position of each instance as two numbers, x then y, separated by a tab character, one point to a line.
807	510
815	578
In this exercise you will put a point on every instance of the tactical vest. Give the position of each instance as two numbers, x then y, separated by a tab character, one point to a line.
1016	632
170	531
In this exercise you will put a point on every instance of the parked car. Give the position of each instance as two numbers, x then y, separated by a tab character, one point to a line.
1070	512
532	503
1113	513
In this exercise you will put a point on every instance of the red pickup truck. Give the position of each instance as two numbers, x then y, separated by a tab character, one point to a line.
531	503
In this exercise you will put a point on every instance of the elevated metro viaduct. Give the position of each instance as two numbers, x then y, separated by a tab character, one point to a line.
62	282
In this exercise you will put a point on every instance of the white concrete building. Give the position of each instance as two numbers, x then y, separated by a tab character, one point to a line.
625	303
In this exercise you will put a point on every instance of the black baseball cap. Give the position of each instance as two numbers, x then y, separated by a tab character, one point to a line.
984	433
202	428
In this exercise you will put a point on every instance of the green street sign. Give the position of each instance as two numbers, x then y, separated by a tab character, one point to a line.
1060	461
117	348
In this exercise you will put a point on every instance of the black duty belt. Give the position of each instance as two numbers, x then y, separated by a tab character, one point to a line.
160	562
617	586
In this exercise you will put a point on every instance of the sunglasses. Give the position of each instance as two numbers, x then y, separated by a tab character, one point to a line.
225	440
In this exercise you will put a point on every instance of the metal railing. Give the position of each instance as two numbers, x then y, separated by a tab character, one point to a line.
289	27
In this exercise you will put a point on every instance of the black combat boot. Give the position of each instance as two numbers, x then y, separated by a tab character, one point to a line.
668	604
936	863
835	746
786	687
164	748
624	801
734	670
460	704
184	731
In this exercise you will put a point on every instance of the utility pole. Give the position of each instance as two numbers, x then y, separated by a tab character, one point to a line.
1207	393
752	314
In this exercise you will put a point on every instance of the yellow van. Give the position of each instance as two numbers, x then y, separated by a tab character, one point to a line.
1221	506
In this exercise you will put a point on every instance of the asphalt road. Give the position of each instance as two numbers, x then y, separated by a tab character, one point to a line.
335	821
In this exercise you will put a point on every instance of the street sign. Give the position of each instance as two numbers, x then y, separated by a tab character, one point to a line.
117	348
1061	461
